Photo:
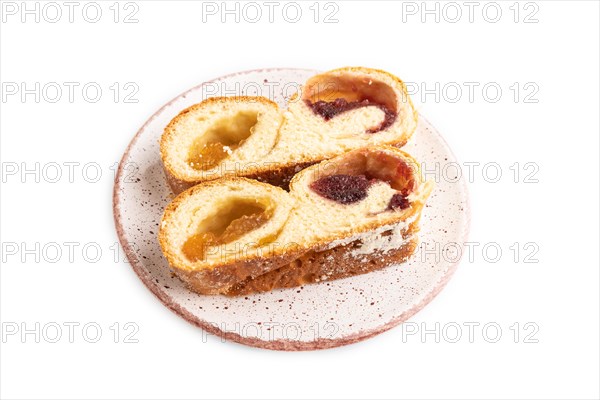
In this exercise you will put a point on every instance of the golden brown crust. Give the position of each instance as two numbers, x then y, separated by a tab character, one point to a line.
177	185
219	280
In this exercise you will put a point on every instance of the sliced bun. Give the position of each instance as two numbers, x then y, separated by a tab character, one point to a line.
213	233
222	136
334	112
225	236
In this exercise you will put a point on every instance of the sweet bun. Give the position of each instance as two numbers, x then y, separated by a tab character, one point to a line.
334	112
349	215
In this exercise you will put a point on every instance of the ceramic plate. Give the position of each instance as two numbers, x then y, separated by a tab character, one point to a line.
317	316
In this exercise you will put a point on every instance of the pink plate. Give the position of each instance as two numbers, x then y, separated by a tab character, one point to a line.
318	316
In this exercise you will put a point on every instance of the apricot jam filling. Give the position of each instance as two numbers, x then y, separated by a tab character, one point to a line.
221	139
236	219
329	96
355	176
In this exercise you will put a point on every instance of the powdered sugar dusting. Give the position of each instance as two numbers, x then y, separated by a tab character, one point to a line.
378	242
374	237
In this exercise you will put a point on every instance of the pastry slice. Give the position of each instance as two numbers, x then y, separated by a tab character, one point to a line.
349	215
220	232
222	136
334	112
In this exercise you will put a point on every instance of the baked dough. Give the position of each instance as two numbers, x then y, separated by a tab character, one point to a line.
334	112
349	215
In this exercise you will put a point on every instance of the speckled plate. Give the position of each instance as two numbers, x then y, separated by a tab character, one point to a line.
317	316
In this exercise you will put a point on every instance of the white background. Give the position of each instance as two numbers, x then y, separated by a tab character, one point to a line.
170	50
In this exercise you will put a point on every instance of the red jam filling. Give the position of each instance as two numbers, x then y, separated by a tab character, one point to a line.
398	202
348	189
330	109
357	173
344	189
